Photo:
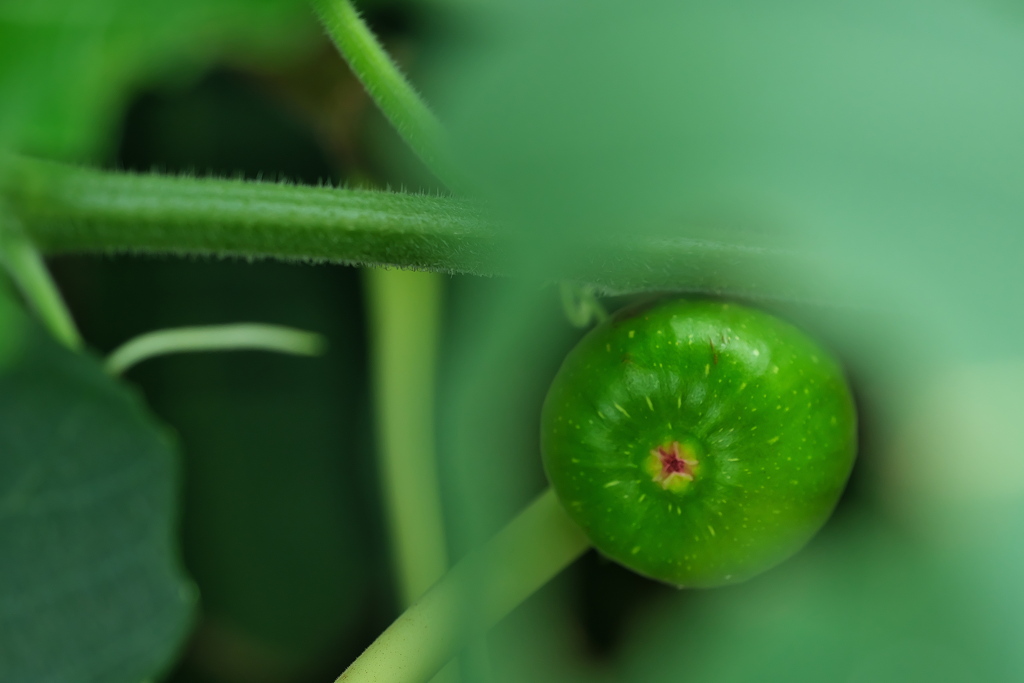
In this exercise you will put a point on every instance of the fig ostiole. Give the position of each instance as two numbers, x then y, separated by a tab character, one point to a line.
698	442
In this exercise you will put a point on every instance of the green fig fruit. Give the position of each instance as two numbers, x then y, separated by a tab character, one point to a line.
698	442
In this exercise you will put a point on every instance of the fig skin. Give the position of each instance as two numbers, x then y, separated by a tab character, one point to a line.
699	443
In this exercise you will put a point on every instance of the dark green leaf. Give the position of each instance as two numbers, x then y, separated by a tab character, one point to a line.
90	582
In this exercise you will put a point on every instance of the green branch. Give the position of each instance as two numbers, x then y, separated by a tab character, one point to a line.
404	319
20	258
393	94
581	306
69	209
476	594
233	337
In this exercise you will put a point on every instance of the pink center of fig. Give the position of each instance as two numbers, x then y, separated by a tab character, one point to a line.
672	465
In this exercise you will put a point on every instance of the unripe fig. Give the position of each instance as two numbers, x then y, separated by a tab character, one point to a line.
698	442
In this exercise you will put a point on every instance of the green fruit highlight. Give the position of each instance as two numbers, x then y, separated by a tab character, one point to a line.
698	442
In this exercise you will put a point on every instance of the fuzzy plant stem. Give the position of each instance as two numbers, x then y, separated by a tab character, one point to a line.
477	593
23	262
69	209
393	94
232	337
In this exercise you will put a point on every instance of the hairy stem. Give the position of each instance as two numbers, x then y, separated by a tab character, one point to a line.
477	593
69	209
233	337
19	257
393	94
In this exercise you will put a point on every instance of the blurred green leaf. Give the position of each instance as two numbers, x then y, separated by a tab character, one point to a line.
12	328
882	136
865	603
67	67
90	582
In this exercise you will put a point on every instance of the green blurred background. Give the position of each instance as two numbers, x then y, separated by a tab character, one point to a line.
883	139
